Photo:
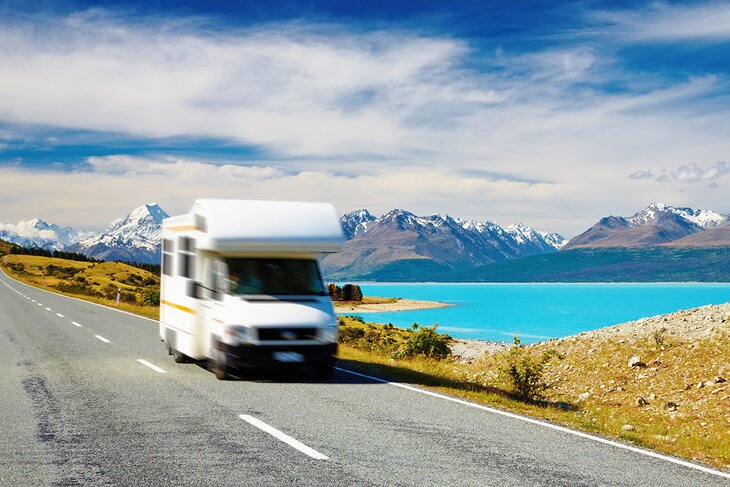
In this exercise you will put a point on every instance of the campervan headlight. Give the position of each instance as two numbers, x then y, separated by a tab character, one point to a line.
237	335
329	332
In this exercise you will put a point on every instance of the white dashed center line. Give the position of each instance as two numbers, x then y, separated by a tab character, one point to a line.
101	338
283	437
151	366
59	315
75	324
48	309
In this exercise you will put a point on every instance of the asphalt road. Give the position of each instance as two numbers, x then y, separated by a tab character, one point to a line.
77	407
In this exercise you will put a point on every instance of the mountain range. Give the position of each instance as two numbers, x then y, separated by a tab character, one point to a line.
657	224
400	245
135	237
392	245
37	233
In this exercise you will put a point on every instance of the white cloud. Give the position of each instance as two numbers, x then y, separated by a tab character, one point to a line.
376	119
691	173
26	229
665	22
641	174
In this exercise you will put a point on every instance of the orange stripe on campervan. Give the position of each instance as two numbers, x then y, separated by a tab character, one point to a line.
183	228
177	306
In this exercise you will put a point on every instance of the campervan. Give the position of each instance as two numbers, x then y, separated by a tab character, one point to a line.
241	285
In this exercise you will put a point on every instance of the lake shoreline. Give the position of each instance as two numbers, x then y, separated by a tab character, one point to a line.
400	304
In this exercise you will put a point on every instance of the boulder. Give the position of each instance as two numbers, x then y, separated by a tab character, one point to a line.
635	361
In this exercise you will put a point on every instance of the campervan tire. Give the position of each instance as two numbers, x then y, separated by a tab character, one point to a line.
219	366
179	357
324	369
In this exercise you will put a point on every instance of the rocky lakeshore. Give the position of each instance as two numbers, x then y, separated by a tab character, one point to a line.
663	380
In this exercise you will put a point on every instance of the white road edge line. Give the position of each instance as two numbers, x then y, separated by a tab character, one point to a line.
544	424
75	324
151	366
59	315
283	437
101	338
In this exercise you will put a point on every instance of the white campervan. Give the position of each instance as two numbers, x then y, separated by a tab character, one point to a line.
241	284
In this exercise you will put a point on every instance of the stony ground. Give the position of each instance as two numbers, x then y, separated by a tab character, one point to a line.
663	380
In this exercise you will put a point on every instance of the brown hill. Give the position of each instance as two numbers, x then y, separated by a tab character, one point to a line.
713	237
619	232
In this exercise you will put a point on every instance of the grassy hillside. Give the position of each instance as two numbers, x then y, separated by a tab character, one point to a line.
97	282
5	247
645	264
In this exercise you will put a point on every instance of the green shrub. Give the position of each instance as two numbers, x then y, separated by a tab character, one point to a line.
525	372
76	287
425	341
151	297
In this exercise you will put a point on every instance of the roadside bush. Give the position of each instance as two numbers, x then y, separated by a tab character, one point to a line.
151	297
127	297
61	272
76	288
18	269
110	291
425	341
525	372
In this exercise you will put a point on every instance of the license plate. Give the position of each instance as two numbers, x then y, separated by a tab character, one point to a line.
288	357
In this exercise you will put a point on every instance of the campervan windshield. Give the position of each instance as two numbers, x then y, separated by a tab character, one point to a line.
274	277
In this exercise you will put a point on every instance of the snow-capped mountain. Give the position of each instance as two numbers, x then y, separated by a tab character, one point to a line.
355	222
657	224
400	239
37	233
544	240
701	218
135	237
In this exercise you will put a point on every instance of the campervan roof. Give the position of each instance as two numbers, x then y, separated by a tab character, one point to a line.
246	225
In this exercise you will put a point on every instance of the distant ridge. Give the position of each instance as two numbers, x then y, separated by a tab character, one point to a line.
657	224
403	244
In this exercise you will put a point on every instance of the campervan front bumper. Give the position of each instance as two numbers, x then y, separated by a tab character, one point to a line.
252	355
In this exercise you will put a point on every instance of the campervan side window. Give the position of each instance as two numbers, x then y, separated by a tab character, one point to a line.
167	250
186	257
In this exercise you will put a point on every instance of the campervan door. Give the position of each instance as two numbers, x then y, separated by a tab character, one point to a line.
180	323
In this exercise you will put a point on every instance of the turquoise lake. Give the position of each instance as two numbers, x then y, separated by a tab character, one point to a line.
537	312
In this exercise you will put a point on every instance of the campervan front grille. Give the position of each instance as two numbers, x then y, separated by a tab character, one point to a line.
287	334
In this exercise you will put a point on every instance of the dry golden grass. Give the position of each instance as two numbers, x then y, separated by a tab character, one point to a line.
33	270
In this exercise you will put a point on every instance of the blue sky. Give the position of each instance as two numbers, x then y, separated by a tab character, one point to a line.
549	114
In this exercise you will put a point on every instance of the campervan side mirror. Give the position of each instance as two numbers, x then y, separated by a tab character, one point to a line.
194	289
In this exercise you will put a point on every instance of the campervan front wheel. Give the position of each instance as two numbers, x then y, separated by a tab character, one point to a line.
218	365
324	369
